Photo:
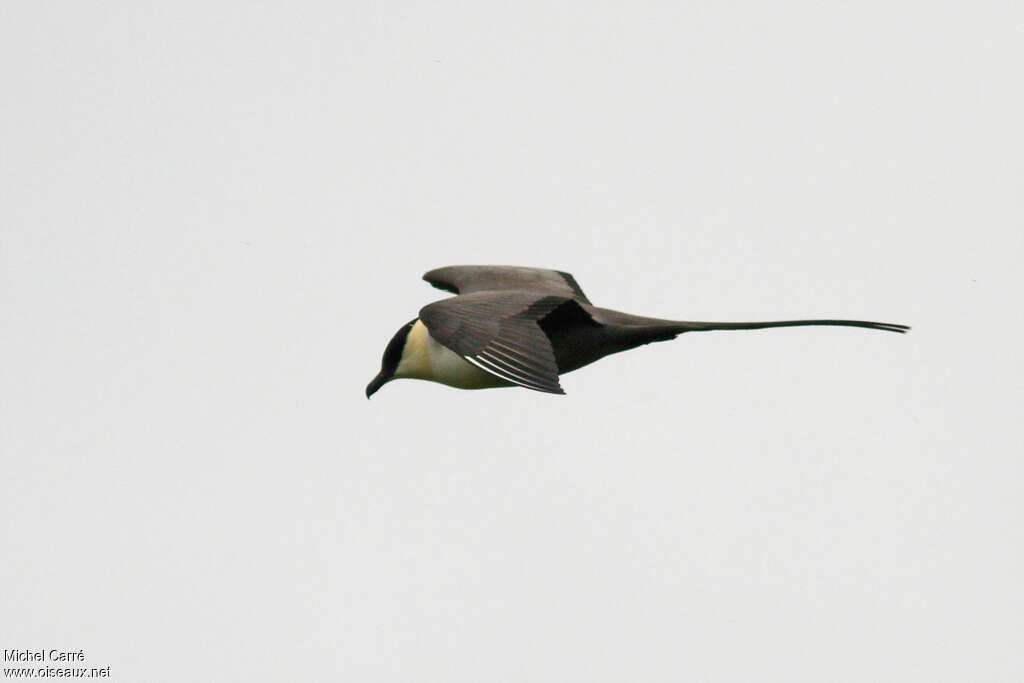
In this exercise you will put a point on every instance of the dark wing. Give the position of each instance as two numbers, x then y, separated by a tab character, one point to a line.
498	333
470	279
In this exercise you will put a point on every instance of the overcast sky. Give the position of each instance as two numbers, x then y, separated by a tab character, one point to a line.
215	215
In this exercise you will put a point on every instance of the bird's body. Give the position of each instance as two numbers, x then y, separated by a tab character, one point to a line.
513	326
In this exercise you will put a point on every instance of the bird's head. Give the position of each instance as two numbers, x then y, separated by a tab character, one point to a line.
392	358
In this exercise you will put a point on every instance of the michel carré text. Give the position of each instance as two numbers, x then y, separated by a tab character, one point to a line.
23	655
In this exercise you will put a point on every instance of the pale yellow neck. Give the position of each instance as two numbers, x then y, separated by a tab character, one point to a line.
424	358
416	362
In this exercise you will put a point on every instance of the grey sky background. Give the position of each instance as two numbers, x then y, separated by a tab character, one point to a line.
215	215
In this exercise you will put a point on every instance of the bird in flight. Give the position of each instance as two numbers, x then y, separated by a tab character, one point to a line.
513	326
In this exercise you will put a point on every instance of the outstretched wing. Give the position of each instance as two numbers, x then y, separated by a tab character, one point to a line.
498	333
470	279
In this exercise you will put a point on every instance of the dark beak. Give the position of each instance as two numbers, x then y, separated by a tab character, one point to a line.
376	384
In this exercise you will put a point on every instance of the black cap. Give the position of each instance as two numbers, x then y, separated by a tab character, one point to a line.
392	357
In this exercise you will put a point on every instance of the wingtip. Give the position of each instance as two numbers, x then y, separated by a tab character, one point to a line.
435	278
